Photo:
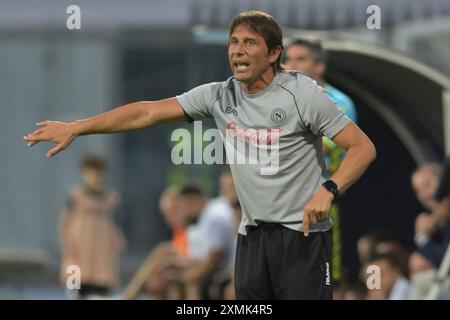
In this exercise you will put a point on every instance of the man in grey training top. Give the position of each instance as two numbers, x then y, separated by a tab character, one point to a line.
284	243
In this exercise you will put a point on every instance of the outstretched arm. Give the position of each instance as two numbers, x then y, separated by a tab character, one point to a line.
133	116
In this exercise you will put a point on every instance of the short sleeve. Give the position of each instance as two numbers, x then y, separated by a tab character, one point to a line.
321	114
350	110
197	102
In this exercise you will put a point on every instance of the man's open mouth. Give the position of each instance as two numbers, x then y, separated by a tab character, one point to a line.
241	66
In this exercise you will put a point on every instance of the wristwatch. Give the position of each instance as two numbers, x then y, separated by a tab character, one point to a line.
332	187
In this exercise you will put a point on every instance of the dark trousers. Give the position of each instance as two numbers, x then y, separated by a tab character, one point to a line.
275	262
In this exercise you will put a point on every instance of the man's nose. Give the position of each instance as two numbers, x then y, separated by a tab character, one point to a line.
239	49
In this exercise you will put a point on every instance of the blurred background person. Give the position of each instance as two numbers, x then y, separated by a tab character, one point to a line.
393	246
422	273
384	245
425	181
310	58
367	243
393	284
171	210
162	275
155	275
229	291
212	243
224	229
90	238
432	229
432	232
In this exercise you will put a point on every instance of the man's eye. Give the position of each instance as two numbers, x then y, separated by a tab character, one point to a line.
249	42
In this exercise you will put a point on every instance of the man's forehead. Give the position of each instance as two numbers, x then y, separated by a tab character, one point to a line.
298	49
244	31
424	174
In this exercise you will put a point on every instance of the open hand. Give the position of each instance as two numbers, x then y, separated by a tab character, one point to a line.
60	133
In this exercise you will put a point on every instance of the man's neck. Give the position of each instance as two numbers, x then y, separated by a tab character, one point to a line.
93	190
321	82
261	83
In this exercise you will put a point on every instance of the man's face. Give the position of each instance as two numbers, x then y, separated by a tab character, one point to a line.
363	248
191	206
93	178
248	55
389	275
300	58
170	208
425	184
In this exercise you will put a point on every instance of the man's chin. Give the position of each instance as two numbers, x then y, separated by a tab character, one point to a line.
241	77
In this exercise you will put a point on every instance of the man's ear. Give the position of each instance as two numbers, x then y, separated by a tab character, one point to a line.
274	54
321	68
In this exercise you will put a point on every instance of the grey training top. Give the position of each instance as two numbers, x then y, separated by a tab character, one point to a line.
298	112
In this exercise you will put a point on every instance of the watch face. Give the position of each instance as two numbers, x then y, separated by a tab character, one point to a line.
330	185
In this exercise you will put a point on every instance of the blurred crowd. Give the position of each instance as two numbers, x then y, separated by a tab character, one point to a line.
198	261
409	273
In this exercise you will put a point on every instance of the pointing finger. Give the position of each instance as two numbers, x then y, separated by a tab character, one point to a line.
55	150
32	143
306	222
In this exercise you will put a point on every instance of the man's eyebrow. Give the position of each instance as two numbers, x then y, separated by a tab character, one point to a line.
245	39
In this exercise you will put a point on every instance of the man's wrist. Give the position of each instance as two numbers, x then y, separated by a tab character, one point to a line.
330	194
332	188
79	128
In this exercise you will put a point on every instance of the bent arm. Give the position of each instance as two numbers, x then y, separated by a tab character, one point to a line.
360	154
201	269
